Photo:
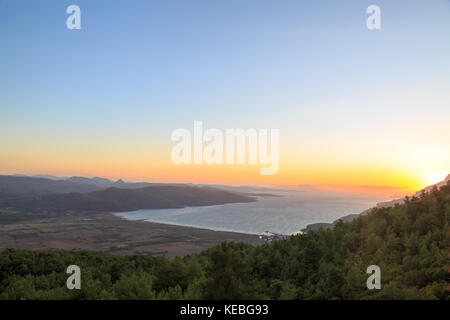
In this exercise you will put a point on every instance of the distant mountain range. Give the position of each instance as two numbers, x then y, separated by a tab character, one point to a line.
99	194
29	185
45	184
48	184
387	204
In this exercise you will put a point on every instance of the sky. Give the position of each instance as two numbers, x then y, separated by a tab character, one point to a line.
354	107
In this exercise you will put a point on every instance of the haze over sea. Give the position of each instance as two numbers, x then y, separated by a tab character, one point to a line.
287	214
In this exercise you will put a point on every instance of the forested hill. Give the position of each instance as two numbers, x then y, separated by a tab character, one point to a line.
409	242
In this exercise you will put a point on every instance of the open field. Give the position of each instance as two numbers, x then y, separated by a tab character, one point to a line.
108	233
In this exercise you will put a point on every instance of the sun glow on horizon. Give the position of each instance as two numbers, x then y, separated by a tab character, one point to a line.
434	177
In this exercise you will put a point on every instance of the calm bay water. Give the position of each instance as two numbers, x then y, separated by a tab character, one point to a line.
287	214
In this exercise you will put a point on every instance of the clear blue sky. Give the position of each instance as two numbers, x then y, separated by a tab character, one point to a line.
144	68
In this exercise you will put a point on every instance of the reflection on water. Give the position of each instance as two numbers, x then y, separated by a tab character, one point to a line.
286	215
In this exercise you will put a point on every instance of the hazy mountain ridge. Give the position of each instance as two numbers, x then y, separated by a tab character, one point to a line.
115	199
47	184
19	185
84	185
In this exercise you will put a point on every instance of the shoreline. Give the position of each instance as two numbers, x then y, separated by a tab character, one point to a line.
265	236
117	214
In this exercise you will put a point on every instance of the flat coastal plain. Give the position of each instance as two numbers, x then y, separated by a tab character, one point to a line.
108	233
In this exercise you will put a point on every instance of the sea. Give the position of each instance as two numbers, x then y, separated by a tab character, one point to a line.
287	212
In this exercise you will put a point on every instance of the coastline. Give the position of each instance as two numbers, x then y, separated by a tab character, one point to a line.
118	214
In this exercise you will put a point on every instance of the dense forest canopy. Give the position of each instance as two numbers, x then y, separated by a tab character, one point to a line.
409	242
